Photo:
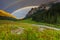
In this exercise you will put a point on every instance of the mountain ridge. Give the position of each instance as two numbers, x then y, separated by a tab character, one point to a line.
46	13
6	16
4	13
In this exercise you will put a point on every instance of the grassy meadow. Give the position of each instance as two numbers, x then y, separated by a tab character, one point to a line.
21	30
39	23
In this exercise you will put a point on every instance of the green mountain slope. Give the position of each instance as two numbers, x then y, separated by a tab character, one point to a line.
47	13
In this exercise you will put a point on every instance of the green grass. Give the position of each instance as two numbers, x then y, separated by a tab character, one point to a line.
30	32
40	23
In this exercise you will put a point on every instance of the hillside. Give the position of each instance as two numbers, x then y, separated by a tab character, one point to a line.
6	16
4	13
48	13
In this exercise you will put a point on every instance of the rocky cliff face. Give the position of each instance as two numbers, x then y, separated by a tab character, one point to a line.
41	7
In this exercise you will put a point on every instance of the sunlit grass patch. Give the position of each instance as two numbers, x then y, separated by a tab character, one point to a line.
25	31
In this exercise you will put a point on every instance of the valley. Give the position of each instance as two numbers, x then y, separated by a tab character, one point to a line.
31	23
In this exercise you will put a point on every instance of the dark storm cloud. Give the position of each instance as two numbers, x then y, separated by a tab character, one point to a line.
11	5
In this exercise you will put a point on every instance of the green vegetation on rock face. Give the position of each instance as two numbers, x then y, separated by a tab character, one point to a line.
51	15
16	30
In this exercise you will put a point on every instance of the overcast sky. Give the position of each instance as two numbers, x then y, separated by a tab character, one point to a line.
12	5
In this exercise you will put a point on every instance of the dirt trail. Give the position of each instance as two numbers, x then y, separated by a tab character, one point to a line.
43	26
